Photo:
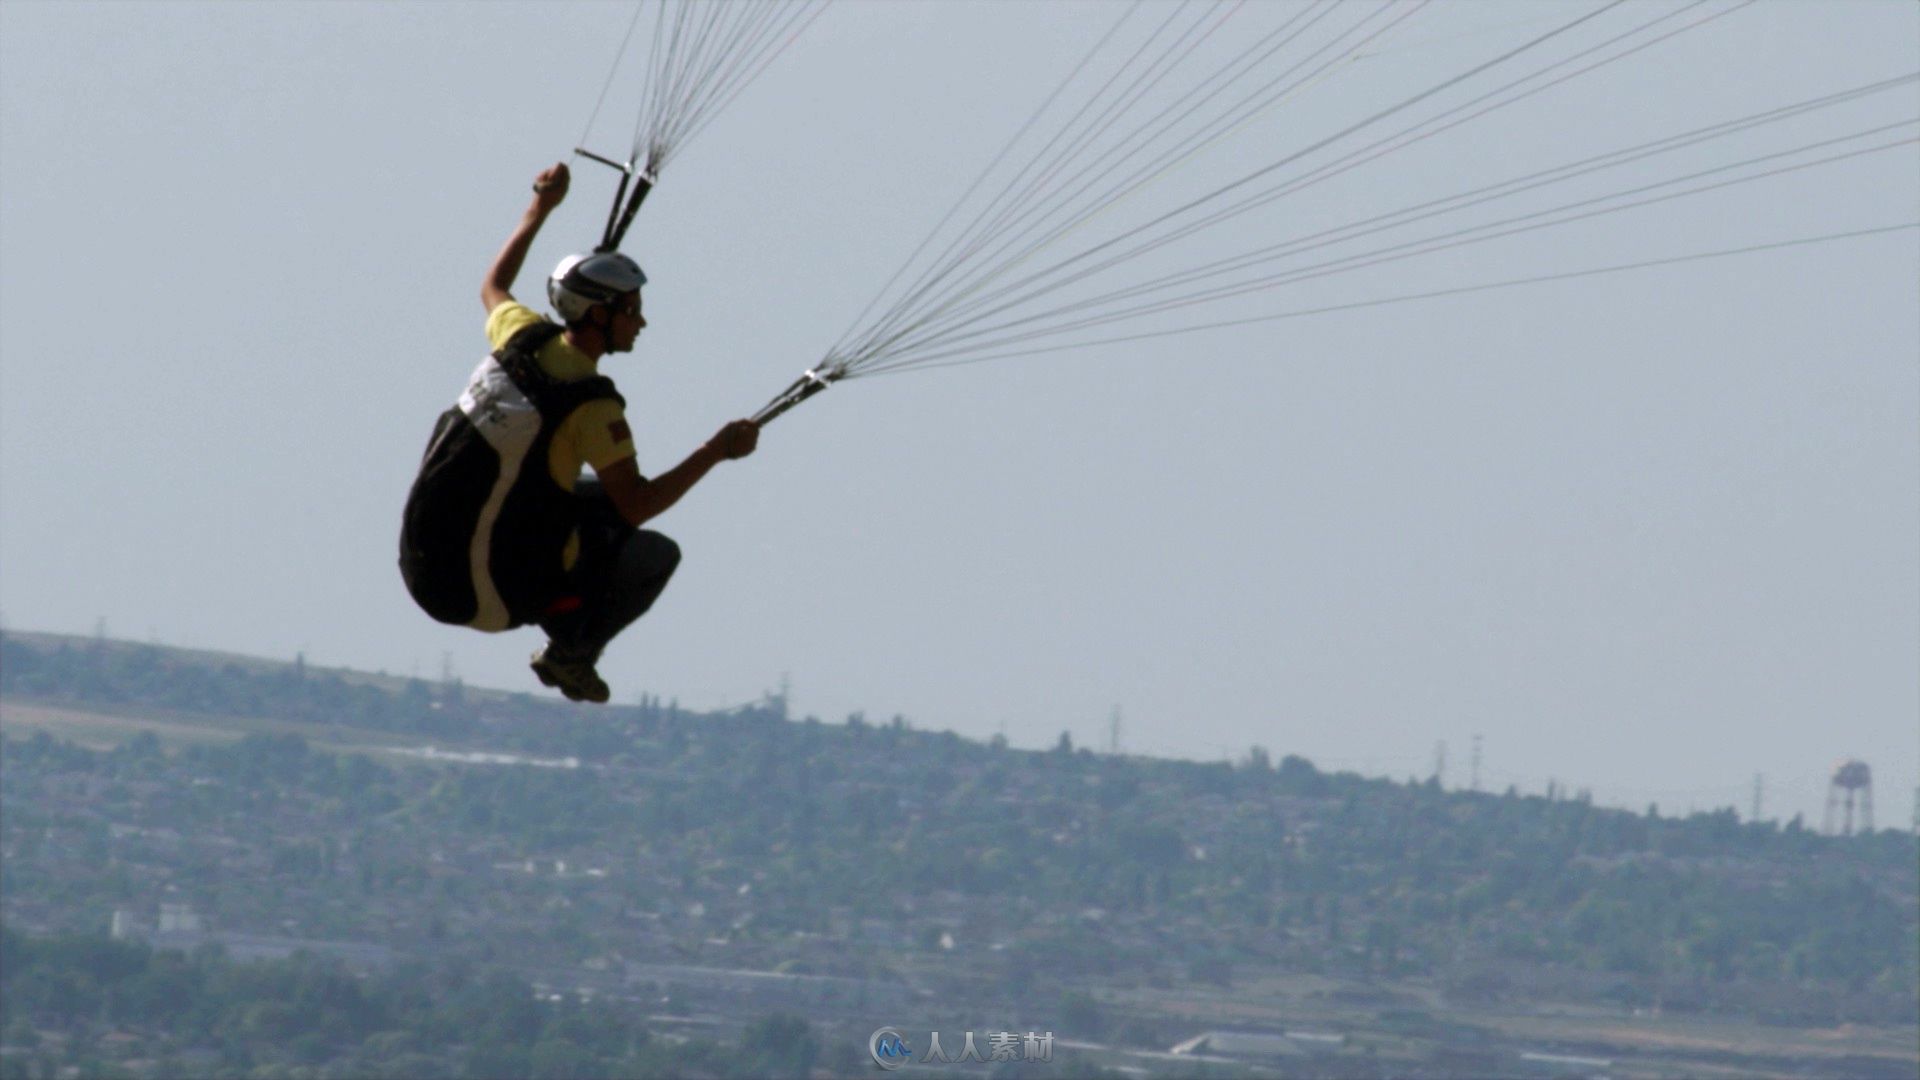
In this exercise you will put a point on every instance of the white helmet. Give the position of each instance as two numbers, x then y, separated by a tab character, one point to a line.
581	281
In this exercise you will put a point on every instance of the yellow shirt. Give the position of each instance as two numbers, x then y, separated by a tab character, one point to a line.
595	434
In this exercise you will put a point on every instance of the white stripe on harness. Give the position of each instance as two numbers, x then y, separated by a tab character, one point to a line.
510	423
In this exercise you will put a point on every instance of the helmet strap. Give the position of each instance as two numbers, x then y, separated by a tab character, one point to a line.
600	341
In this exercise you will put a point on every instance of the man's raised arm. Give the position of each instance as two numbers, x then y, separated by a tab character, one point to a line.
549	188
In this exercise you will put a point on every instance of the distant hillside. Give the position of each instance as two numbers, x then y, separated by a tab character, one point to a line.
229	694
131	655
981	872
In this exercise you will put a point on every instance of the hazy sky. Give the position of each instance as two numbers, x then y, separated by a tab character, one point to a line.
1650	534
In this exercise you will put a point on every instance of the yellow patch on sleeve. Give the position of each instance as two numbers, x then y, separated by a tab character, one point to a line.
597	434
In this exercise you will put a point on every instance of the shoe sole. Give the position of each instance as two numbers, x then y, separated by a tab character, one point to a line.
569	692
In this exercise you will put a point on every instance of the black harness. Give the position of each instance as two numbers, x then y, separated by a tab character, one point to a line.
486	526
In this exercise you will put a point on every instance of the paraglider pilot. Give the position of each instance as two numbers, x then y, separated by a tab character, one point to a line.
500	529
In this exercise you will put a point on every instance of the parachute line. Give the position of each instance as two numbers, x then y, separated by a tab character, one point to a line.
1057	245
700	57
1430	245
1035	284
1777	245
618	55
874	349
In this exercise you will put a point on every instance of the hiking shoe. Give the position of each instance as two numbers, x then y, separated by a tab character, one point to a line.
578	681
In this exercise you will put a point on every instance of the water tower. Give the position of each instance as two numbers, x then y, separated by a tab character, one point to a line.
1852	783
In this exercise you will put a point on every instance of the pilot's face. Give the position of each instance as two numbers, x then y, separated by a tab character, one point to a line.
624	323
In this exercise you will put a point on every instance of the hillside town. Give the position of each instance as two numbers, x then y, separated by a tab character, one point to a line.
703	873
